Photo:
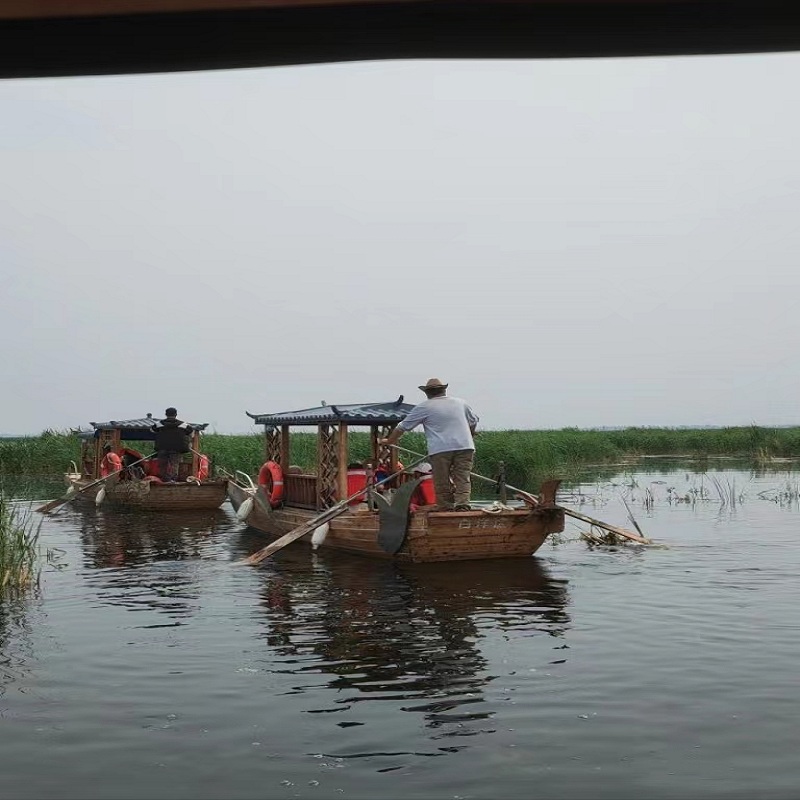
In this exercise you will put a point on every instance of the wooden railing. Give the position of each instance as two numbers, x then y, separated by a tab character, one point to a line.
301	490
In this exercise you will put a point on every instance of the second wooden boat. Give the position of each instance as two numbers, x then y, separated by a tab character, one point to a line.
140	486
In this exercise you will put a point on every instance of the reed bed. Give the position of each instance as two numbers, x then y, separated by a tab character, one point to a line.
19	538
47	453
529	455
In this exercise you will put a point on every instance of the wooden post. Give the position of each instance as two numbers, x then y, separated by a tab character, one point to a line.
320	459
392	454
327	463
369	468
373	444
341	458
87	457
385	457
502	492
195	449
272	444
284	462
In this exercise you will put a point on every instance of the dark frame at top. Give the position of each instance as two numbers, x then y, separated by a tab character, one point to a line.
303	33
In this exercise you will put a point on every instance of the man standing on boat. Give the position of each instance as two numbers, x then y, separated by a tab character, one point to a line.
173	438
449	425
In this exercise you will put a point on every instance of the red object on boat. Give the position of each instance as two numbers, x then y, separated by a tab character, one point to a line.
356	481
270	476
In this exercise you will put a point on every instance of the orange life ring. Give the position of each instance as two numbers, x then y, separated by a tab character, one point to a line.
270	476
202	469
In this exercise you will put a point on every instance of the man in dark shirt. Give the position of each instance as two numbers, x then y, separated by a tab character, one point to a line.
173	438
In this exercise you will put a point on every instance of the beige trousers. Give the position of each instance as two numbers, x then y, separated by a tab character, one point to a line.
451	477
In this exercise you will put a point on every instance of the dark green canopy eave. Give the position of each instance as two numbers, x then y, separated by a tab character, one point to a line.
350	414
131	429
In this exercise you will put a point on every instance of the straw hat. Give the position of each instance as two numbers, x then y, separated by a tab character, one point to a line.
433	383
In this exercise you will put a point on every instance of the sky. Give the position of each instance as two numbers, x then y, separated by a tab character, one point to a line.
568	243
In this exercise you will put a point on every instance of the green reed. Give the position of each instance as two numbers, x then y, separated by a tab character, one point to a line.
529	455
38	455
19	537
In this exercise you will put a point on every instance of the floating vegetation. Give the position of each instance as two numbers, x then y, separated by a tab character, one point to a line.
597	537
699	488
19	539
786	495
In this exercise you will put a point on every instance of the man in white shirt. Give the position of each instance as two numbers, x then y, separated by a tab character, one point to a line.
449	425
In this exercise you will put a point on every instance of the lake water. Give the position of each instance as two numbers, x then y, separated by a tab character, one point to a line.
151	667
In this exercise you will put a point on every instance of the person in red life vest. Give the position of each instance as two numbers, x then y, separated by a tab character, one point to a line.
111	461
424	495
173	438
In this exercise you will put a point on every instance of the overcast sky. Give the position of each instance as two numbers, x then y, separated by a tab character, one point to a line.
568	243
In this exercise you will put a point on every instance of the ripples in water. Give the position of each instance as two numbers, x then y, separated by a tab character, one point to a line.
583	674
398	634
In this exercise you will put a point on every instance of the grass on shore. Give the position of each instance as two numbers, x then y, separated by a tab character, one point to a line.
529	455
19	537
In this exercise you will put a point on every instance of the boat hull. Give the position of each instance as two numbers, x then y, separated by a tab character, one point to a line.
150	496
431	536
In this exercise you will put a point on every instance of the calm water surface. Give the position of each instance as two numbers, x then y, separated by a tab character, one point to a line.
151	667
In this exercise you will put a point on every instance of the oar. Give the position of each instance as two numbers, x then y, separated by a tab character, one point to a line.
307	527
47	507
613	528
532	501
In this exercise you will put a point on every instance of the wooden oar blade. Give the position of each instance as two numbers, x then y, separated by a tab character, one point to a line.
52	504
293	535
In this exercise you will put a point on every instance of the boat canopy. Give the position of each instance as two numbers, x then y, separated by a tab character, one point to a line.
131	429
350	414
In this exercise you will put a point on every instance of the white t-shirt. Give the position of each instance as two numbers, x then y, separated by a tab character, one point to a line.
446	421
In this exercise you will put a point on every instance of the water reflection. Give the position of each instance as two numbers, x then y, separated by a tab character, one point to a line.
121	550
409	634
120	539
16	650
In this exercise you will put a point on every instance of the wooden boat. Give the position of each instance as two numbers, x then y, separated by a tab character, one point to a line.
376	527
139	486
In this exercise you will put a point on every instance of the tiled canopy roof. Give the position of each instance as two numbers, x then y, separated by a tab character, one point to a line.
351	414
142	424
